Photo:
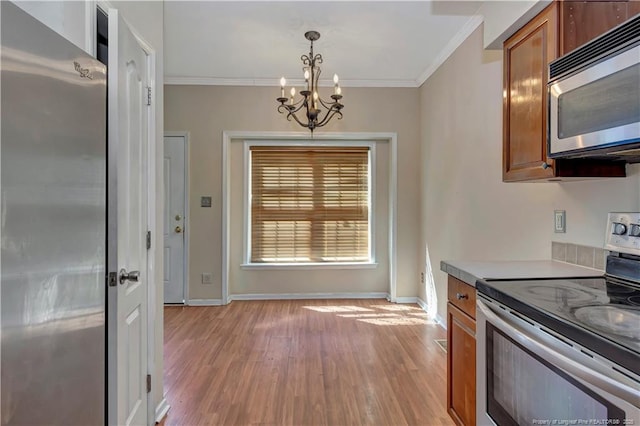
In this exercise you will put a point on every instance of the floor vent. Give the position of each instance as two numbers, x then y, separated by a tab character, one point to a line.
442	343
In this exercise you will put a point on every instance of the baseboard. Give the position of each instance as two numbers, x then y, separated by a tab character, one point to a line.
440	321
406	300
291	296
162	409
204	302
422	304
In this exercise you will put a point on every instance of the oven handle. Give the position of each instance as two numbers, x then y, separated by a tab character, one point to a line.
592	377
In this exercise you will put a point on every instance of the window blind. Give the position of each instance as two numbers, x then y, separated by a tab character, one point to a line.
309	204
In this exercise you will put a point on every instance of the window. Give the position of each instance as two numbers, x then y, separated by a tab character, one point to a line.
309	204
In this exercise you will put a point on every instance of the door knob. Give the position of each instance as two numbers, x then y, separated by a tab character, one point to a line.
133	276
178	229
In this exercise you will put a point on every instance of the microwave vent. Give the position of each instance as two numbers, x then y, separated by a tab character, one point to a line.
620	37
627	153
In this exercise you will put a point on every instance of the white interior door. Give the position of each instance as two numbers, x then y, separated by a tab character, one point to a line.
128	138
174	218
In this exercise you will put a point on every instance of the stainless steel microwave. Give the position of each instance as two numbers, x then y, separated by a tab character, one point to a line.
594	98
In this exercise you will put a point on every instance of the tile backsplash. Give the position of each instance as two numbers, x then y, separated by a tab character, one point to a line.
593	257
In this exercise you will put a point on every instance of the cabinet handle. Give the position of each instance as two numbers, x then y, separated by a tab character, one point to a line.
461	296
545	165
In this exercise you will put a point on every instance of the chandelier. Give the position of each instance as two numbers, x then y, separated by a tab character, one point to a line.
310	105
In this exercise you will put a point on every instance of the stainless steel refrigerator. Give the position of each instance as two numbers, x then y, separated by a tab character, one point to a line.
53	227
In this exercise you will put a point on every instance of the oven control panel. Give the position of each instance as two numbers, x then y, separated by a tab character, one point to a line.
623	233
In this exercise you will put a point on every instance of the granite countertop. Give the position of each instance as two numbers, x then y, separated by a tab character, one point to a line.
471	271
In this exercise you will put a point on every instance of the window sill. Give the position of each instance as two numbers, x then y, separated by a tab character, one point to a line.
308	266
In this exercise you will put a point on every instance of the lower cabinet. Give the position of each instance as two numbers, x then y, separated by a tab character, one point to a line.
461	355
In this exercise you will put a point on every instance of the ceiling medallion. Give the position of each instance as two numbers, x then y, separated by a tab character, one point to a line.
310	103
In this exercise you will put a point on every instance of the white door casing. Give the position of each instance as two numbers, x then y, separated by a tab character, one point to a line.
128	78
175	223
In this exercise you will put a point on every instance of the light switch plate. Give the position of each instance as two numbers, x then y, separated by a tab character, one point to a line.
560	221
206	278
205	201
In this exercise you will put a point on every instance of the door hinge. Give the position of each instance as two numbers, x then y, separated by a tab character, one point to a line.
148	240
148	95
148	383
112	279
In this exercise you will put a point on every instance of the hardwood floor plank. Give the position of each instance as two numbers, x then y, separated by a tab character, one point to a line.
304	362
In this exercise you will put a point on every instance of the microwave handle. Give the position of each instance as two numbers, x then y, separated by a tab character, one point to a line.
574	368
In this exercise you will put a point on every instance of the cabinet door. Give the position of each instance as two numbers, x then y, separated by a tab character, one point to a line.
461	366
526	57
582	21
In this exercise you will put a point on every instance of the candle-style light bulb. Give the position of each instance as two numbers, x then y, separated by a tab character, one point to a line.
282	83
306	75
315	99
335	79
293	93
338	90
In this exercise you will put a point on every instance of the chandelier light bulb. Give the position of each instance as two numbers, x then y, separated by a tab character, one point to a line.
306	75
335	79
338	90
283	81
293	92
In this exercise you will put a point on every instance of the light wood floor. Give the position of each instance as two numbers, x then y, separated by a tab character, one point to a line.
304	362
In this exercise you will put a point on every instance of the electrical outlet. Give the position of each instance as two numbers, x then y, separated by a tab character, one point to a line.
560	221
206	278
422	277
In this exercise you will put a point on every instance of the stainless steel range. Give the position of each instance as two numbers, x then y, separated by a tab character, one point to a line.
564	351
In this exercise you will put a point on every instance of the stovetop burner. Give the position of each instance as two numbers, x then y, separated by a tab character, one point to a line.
621	321
560	294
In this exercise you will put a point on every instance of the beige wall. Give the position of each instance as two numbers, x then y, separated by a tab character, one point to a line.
467	212
206	111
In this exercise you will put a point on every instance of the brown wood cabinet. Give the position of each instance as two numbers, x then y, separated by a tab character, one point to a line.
461	352
582	21
560	27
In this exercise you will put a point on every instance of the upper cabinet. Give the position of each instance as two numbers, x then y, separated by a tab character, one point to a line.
559	28
582	21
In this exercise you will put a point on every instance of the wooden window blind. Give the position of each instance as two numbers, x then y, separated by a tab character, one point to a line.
309	204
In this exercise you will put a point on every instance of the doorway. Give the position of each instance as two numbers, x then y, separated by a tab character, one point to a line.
175	217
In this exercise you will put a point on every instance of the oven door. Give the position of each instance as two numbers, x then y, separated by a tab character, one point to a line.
527	376
597	107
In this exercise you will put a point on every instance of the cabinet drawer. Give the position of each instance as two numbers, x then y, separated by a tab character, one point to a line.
462	295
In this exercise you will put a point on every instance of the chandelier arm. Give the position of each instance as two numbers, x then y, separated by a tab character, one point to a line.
295	117
305	60
328	116
318	58
327	104
286	108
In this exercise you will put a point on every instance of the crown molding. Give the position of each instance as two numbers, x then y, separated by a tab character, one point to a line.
273	82
451	47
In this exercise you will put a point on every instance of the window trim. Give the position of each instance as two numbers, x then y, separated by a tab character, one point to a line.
246	204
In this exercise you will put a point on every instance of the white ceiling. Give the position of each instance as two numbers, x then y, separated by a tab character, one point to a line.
367	43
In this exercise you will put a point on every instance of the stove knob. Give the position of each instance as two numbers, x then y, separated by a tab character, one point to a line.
619	229
634	231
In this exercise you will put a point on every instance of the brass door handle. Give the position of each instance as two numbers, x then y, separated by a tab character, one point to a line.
178	229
